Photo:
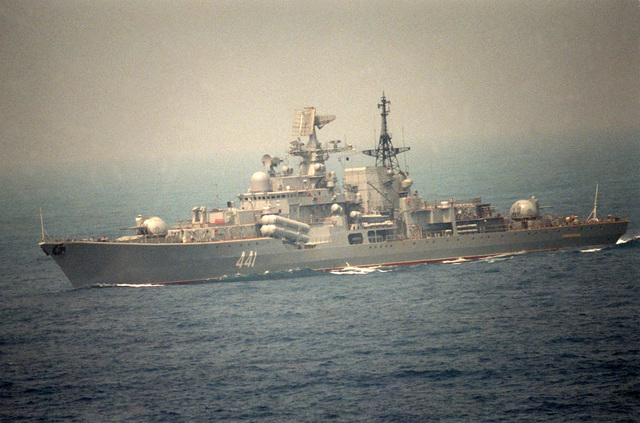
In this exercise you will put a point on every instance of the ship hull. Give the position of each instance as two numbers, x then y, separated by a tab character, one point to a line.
90	263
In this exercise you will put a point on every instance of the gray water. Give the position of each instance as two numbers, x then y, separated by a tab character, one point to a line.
532	337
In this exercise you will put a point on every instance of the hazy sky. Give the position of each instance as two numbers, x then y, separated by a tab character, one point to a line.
106	80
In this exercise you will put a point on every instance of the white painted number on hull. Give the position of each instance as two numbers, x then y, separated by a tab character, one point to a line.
247	260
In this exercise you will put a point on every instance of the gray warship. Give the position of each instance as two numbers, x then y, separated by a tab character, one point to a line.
303	219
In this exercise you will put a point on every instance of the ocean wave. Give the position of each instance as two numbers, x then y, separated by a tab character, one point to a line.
631	240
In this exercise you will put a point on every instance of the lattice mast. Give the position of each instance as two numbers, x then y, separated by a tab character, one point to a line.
385	153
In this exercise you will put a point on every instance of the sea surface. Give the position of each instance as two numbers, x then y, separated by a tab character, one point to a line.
538	337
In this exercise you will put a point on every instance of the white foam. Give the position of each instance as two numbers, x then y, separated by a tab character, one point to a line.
591	250
142	285
351	270
503	256
624	240
456	261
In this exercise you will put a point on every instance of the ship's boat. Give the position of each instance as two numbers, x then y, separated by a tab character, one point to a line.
303	219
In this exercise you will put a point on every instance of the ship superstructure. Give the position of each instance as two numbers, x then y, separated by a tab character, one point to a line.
302	218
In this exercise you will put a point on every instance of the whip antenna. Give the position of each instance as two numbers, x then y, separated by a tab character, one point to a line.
593	216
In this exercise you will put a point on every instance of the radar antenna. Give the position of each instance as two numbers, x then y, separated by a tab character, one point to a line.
313	154
271	163
385	153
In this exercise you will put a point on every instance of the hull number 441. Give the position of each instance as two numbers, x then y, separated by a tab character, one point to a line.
247	260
